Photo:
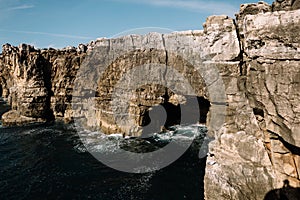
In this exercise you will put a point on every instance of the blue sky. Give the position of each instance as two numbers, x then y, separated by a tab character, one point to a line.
60	23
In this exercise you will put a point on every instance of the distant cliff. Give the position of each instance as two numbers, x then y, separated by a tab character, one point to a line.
37	83
257	56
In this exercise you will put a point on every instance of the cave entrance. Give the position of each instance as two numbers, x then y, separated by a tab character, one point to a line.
161	117
1	91
4	107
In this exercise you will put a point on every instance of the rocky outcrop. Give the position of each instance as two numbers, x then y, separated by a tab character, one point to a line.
175	62
27	92
259	149
286	5
38	83
246	72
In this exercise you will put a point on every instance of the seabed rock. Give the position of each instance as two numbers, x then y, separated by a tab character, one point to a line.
14	118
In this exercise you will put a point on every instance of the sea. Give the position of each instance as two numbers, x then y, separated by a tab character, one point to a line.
50	161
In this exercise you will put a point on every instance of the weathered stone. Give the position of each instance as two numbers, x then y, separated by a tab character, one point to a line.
253	9
38	84
286	5
253	63
272	36
221	43
271	87
14	118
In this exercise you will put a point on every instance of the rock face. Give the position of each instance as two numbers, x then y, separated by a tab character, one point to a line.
37	83
261	142
28	93
157	55
286	5
246	72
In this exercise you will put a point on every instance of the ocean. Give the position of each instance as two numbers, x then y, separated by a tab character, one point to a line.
50	162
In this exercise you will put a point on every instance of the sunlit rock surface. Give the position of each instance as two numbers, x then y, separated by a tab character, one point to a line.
257	60
259	148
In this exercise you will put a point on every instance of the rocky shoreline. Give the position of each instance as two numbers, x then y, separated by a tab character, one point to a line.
258	59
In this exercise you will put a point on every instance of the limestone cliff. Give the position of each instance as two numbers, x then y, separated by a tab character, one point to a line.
255	57
260	141
38	83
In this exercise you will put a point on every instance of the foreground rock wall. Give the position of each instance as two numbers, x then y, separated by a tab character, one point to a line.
260	148
257	58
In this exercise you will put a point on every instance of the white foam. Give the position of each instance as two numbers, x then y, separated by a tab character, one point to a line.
99	142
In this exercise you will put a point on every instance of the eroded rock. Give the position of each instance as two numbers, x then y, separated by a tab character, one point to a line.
286	5
255	58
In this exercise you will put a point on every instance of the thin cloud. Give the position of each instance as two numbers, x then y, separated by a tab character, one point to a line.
48	34
215	7
21	7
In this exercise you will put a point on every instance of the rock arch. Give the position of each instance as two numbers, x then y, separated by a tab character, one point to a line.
147	96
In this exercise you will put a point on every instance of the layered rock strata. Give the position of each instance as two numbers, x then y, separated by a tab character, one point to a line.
247	69
38	83
260	141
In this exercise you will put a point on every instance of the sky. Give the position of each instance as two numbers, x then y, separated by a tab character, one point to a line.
61	23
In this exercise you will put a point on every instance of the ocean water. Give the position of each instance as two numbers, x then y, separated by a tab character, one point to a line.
51	162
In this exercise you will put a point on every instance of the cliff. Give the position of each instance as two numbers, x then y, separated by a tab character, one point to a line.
245	72
38	83
260	140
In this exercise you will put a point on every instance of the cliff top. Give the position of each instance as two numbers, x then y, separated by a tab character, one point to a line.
245	9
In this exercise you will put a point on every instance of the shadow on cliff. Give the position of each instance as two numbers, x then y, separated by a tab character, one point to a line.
287	192
292	148
4	107
47	75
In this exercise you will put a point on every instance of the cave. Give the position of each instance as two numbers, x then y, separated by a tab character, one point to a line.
162	117
258	111
1	91
4	107
204	106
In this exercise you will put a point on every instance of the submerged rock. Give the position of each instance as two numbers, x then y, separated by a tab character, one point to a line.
14	118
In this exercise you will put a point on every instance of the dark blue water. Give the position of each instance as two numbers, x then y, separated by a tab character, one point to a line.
50	162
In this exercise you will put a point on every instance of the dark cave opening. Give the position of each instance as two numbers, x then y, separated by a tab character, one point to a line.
161	117
4	106
168	114
258	111
173	114
204	106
